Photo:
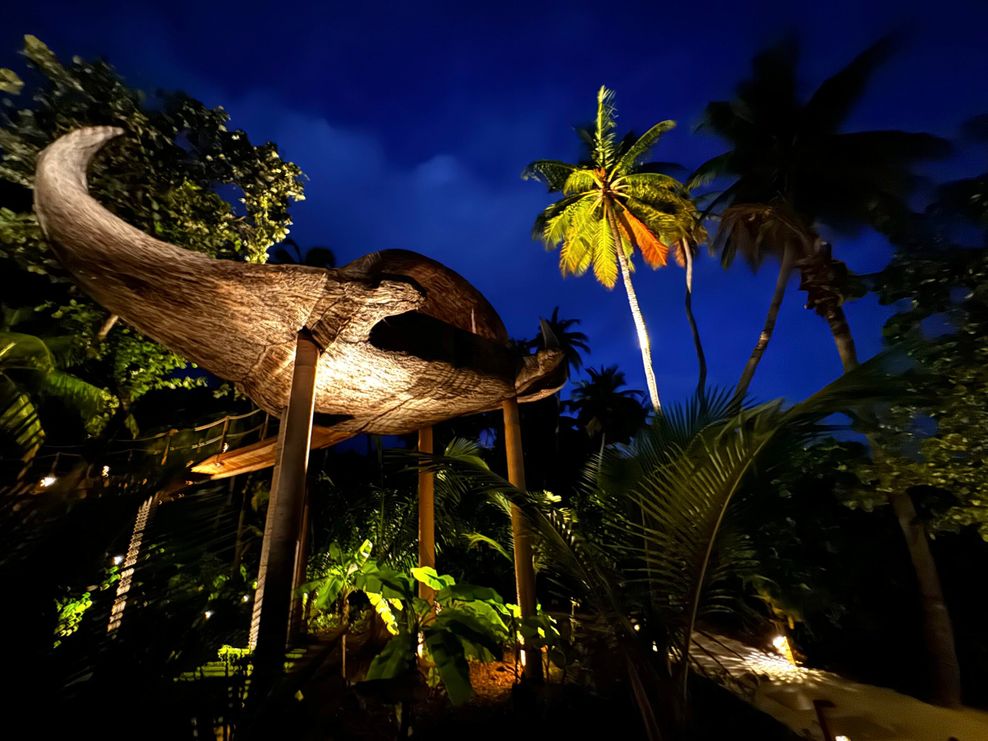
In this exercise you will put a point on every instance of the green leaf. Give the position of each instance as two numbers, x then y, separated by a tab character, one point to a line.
603	134
630	159
605	265
24	352
551	172
581	181
382	606
428	576
20	429
396	659
10	82
451	663
328	591
469	626
364	551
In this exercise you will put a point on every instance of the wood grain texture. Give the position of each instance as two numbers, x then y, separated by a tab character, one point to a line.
406	342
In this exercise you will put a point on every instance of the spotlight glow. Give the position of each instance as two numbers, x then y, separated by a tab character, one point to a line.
781	644
48	481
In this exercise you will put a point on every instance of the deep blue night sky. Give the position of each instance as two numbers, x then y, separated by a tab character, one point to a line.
413	121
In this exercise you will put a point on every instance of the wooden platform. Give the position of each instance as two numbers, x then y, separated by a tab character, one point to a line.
260	455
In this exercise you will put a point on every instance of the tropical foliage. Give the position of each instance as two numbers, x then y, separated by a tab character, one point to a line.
665	546
180	175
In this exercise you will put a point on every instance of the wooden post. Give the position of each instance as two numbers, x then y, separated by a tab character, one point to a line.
273	599
226	429
297	620
427	514
524	568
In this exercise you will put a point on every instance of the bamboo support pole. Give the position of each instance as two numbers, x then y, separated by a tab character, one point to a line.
427	514
524	567
272	603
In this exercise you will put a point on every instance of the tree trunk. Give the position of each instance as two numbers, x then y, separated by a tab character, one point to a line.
701	359
785	270
636	314
841	331
937	627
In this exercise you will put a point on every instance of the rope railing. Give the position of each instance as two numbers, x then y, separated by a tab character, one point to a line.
189	444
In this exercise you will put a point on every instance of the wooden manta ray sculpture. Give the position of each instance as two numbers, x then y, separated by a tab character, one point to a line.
406	342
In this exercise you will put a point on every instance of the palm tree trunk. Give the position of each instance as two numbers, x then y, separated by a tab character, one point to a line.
701	359
785	270
636	314
843	338
937	626
939	632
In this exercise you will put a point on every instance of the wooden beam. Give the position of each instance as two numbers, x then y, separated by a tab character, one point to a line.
260	455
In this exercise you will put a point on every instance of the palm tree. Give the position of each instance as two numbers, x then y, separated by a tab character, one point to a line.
668	501
685	254
794	169
612	205
571	341
605	409
288	252
32	369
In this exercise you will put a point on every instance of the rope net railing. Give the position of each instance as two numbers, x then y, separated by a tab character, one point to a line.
166	449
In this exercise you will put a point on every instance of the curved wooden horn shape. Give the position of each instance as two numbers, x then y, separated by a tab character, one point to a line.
406	341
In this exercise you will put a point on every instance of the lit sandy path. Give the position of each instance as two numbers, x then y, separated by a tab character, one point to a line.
861	712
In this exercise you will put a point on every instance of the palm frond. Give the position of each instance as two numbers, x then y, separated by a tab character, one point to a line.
670	227
577	253
640	148
548	214
21	434
475	540
551	172
651	186
653	250
24	352
710	170
836	96
605	265
580	181
604	125
89	400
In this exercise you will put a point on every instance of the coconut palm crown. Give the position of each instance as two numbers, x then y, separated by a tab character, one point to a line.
794	169
612	205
